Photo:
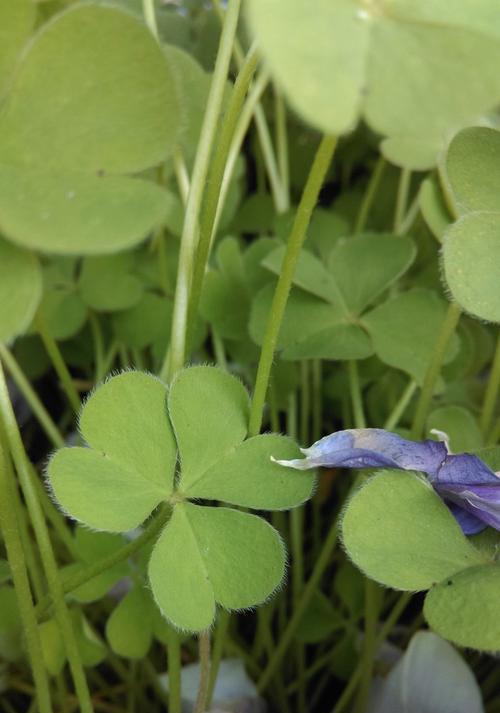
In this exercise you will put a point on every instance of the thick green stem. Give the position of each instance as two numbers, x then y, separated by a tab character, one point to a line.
40	412
9	518
45	546
198	181
204	648
398	410
307	592
58	363
448	328
295	241
174	671
369	196
215	176
491	393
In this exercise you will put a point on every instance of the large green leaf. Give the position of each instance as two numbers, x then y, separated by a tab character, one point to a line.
129	629
247	476
465	608
16	24
209	413
20	290
129	467
405	329
208	555
471	252
400	533
93	95
409	68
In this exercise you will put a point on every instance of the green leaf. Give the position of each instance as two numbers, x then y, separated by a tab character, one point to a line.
347	60
208	555
20	290
16	24
100	214
471	170
117	482
144	323
108	283
465	608
209	412
90	645
401	534
365	265
91	547
124	116
58	145
129	629
405	329
247	477
416	154
342	341
319	620
53	651
471	253
460	425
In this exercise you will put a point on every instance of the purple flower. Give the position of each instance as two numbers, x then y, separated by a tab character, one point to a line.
469	488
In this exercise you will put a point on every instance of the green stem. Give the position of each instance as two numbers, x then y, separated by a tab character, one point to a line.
98	347
491	393
58	363
69	584
398	410
369	643
204	648
448	328
216	174
295	241
148	9
198	181
40	412
174	671
45	546
307	592
9	518
218	650
356	398
282	145
402	199
369	196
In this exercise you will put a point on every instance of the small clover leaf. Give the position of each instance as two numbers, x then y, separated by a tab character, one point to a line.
205	555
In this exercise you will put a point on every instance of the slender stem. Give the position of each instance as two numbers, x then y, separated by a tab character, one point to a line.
98	347
148	9
45	546
402	199
58	363
174	671
307	592
204	648
491	393
84	575
215	177
494	435
317	398
448	328
218	347
9	518
42	415
277	191
356	398
295	241
398	410
181	175
369	643
369	196
282	144
218	650
199	176
410	216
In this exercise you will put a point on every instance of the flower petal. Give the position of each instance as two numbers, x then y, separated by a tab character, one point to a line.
371	448
469	523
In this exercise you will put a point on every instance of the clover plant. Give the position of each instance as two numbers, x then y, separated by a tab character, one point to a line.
228	228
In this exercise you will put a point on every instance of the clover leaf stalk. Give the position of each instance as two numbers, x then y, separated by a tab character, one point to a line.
296	239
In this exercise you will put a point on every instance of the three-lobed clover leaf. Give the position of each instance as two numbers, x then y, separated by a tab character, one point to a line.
136	429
